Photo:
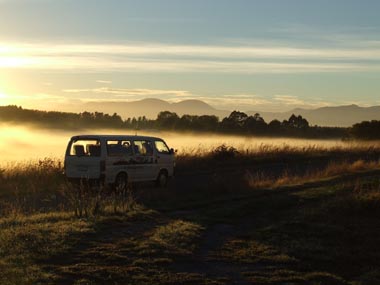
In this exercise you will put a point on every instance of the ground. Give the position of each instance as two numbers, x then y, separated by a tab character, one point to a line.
324	231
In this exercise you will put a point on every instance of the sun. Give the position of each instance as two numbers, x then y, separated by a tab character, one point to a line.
4	99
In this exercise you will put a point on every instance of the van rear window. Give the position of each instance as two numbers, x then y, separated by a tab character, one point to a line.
85	148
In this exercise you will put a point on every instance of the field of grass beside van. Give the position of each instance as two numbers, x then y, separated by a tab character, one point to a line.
40	186
32	186
296	234
333	169
200	157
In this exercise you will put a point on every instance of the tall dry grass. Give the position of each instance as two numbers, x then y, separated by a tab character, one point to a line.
203	157
30	186
40	186
260	180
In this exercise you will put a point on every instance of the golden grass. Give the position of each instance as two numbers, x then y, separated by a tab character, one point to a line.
251	251
40	186
259	180
178	235
265	149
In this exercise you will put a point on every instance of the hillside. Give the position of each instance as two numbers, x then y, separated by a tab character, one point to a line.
151	107
342	116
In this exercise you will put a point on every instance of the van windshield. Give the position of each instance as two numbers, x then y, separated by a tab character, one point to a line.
85	147
161	147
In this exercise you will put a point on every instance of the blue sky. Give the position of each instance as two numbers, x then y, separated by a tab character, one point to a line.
250	55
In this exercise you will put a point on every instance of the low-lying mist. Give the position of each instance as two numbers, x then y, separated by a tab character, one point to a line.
19	143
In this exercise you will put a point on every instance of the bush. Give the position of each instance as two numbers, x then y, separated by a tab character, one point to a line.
224	152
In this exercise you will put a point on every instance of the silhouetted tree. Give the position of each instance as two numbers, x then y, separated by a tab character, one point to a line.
208	123
297	122
167	120
366	130
275	127
255	124
234	122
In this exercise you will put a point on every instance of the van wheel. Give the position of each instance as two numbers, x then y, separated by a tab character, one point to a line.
162	179
121	182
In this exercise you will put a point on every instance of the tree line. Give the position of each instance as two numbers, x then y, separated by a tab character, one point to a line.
237	123
240	123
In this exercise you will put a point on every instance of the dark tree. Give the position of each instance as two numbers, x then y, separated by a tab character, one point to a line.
167	120
274	127
297	122
255	124
366	130
234	122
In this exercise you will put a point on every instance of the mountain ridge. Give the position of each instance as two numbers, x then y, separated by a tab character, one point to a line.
342	116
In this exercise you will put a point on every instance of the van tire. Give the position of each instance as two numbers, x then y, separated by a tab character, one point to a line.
162	179
121	182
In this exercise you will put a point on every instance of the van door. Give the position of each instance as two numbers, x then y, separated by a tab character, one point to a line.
164	157
120	159
83	159
144	160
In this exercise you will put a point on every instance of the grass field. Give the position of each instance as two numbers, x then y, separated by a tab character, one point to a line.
317	223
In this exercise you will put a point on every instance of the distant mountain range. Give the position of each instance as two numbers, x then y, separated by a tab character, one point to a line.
151	107
342	116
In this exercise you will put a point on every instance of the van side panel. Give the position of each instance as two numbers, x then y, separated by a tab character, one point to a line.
119	158
145	162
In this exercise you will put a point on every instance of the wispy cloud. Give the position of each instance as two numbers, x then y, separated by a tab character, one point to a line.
128	93
227	51
253	102
104	81
237	101
289	100
188	58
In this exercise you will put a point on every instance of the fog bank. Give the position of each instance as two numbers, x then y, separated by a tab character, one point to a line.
19	143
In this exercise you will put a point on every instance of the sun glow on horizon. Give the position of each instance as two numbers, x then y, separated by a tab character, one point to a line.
4	99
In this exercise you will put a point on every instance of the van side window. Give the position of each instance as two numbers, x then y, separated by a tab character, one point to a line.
85	148
119	148
143	147
161	147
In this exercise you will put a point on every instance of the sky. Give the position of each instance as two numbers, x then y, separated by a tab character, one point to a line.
248	55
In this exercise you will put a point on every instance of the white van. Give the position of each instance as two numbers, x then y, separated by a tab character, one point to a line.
117	160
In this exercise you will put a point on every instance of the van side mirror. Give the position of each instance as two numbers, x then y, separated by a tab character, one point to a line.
172	151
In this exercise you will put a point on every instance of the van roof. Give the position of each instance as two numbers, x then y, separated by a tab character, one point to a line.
115	137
